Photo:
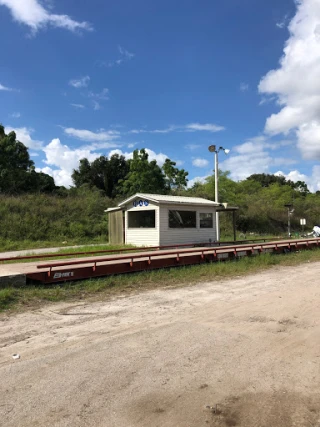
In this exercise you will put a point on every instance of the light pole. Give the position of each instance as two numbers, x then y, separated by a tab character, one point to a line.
215	150
289	206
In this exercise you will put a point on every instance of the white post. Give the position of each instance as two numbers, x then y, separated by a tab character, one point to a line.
216	174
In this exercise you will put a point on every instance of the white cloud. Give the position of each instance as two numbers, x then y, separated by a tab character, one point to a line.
65	159
5	88
251	157
60	176
277	144
125	56
104	94
283	161
192	127
296	82
121	153
179	162
79	83
24	136
16	115
167	130
61	159
78	106
94	146
293	175
89	136
210	127
309	139
192	147
97	97
159	157
312	181
200	163
282	24
96	105
125	53
35	16
244	87
200	179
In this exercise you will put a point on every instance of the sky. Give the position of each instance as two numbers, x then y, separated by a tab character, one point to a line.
85	79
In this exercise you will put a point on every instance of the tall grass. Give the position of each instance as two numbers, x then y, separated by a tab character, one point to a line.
39	220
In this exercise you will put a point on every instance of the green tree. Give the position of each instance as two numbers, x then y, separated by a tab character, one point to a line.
103	173
83	174
143	176
176	179
267	179
17	171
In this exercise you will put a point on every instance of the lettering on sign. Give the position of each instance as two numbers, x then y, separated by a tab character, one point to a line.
140	203
63	275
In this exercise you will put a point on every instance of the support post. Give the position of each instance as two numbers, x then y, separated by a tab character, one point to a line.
216	198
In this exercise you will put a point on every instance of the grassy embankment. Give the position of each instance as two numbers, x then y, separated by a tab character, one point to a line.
15	299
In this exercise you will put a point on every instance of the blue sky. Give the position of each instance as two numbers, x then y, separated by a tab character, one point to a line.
81	79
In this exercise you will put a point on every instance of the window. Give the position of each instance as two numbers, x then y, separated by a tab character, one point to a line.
182	219
142	219
206	220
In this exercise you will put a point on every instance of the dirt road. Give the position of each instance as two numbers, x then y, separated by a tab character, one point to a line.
244	352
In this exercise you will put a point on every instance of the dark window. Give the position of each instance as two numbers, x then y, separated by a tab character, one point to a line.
182	219
142	219
206	220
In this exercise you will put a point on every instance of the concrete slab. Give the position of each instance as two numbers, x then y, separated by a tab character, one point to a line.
12	279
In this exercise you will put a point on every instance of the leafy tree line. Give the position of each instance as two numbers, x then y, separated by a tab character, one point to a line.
261	198
120	177
115	176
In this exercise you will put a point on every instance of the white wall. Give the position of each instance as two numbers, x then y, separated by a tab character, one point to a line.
170	236
142	236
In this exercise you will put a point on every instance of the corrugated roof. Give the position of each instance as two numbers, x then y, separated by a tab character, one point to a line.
161	198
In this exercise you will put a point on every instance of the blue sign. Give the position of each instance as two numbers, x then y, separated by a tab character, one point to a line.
141	203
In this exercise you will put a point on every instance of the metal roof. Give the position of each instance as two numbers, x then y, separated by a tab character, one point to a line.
118	208
165	199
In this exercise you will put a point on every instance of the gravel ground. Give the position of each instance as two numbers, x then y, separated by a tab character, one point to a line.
241	352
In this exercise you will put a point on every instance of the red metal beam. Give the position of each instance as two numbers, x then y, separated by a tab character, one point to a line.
82	269
114	251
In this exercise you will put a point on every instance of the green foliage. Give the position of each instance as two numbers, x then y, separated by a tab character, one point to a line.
47	217
176	179
143	176
32	208
102	173
17	172
261	199
118	176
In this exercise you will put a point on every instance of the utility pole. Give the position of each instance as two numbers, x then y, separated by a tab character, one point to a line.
213	149
289	206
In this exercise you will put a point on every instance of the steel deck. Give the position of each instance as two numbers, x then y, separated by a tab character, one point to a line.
149	259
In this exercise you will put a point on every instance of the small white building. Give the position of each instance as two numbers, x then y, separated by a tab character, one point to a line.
160	220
